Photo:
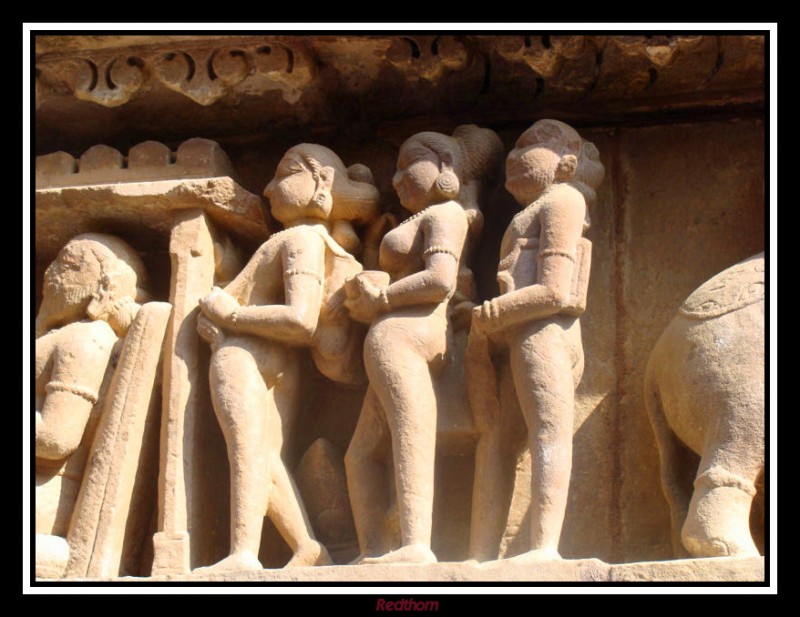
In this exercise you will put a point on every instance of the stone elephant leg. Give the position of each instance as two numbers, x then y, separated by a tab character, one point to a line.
677	465
718	519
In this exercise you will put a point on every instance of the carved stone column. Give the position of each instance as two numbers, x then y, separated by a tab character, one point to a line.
191	251
154	194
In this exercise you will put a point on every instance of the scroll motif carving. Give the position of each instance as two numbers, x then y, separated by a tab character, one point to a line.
429	57
203	74
110	81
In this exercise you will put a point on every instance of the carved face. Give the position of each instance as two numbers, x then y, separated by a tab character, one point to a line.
417	171
69	283
291	191
531	166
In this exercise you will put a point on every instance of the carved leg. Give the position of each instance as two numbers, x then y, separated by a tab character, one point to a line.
718	520
403	385
366	477
287	512
241	401
499	421
677	463
543	375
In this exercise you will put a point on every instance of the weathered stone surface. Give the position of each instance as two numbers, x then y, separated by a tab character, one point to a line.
412	307
718	570
704	389
722	570
248	84
112	516
288	297
543	279
86	473
690	204
185	396
677	120
101	191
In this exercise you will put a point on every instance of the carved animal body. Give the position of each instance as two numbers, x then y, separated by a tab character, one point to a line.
704	388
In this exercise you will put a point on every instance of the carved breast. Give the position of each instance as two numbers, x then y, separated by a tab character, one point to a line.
401	249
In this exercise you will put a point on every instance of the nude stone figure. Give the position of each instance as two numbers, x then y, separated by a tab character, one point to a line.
543	274
288	297
410	309
91	296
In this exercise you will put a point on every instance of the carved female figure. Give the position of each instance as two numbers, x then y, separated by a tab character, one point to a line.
543	276
288	296
410	312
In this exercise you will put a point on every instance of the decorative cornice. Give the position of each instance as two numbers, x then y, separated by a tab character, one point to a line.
249	86
628	66
204	74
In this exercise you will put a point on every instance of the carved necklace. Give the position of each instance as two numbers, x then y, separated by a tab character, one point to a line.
417	215
530	205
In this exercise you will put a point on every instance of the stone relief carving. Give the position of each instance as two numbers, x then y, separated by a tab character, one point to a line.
543	274
704	390
305	289
91	297
408	305
289	296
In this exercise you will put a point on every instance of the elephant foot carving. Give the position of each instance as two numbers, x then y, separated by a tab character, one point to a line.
718	520
704	392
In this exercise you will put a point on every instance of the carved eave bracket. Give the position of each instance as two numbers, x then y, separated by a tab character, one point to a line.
204	74
635	67
104	190
430	57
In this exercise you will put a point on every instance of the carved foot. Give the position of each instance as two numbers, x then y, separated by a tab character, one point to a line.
310	554
413	553
236	562
722	530
536	556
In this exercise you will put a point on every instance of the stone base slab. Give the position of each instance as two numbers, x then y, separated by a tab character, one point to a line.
720	570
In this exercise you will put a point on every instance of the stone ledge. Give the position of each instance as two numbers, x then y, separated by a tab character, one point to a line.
718	570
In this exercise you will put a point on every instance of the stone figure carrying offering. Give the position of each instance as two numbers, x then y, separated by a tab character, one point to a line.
289	296
409	309
543	274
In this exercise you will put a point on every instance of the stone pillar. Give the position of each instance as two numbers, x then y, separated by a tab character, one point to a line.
192	255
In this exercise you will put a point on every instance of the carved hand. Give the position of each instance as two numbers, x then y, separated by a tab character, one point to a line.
218	305
209	331
485	318
368	305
